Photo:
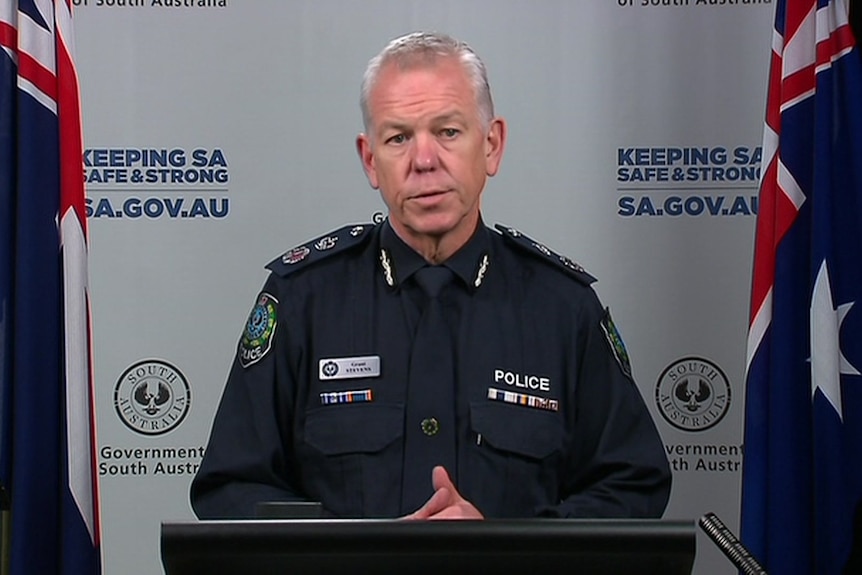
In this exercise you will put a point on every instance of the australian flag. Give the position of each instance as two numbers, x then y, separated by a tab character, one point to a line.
47	429
802	470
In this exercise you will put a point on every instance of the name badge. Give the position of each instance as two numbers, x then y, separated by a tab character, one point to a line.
349	367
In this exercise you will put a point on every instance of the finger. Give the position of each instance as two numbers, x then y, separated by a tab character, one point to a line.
439	501
440	479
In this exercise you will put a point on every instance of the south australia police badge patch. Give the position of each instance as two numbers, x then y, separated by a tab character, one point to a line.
256	340
616	342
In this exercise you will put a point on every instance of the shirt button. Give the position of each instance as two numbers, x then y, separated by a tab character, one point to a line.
430	426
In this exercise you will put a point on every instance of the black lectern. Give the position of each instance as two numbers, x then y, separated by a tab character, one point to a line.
385	546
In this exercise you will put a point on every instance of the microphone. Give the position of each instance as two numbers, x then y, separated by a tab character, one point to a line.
730	545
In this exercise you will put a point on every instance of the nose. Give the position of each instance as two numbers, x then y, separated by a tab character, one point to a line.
425	156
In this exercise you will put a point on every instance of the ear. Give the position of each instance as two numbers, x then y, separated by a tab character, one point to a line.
366	156
495	143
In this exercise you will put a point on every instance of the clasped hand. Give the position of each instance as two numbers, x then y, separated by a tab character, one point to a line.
446	502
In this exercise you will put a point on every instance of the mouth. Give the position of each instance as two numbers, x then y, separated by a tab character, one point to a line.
428	194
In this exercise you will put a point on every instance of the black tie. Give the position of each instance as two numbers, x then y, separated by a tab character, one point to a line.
429	437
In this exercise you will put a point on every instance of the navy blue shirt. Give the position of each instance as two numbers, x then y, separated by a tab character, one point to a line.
548	419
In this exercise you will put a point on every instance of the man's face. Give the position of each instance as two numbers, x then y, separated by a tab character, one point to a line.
426	150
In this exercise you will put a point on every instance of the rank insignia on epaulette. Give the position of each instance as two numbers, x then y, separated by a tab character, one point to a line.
542	251
295	255
325	243
259	330
320	248
542	248
616	342
572	265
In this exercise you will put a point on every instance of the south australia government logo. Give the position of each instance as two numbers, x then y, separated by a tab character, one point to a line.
693	394
152	397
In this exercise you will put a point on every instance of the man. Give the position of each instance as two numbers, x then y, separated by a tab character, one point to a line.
505	391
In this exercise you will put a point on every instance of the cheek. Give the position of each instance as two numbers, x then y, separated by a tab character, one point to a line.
386	177
473	162
387	166
390	186
394	172
476	171
389	196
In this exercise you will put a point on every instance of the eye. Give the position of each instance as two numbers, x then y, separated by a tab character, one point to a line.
396	139
449	132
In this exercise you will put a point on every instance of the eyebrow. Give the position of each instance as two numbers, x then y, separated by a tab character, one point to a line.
450	117
436	120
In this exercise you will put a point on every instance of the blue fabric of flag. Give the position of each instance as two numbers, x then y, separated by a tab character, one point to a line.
48	532
802	470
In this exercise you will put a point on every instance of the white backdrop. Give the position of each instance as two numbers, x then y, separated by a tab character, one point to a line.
218	135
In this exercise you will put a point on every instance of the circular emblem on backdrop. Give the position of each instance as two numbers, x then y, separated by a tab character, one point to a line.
693	394
152	397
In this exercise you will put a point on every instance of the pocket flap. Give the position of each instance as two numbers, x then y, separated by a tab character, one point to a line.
529	432
356	428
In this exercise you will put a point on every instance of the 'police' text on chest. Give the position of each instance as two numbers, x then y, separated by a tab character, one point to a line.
522	380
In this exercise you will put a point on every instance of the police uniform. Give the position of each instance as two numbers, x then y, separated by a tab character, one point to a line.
547	420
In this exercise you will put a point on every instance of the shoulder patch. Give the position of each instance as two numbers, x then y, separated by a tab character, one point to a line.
615	341
320	248
528	245
256	340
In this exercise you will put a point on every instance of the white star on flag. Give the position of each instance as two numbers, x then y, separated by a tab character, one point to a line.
828	363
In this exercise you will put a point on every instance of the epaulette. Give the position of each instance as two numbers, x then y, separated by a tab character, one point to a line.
320	248
534	248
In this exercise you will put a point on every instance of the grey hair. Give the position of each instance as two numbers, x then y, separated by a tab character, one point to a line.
422	48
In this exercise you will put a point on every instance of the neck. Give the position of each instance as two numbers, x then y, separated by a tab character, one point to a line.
436	249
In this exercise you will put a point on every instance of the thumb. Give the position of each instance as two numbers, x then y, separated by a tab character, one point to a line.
444	495
440	479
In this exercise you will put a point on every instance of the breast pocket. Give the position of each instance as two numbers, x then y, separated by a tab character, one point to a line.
517	456
353	458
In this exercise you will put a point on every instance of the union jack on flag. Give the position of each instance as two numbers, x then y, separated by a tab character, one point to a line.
47	417
802	469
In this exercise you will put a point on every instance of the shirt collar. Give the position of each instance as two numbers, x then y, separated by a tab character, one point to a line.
399	261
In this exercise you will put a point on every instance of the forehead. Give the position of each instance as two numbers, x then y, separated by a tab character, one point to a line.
421	84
